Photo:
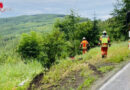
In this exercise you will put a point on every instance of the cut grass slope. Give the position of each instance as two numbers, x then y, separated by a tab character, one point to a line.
61	76
67	74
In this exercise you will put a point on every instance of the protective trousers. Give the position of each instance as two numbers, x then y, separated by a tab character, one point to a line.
104	51
84	51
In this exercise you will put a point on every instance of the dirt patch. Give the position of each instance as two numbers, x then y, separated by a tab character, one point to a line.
36	82
105	64
71	81
94	68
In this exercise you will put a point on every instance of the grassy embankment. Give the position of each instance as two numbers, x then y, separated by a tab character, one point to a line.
68	74
80	74
13	69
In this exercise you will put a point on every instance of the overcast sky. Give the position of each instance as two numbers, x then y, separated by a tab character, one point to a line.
84	8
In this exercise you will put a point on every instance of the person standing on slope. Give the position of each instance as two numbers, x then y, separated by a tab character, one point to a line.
104	42
84	45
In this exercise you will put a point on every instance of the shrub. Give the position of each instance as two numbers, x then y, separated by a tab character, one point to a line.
30	45
45	49
54	46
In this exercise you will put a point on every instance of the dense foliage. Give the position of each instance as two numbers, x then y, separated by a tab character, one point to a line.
30	45
53	48
117	26
75	30
46	48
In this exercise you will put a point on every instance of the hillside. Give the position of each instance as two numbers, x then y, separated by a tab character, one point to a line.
84	70
20	24
13	27
66	74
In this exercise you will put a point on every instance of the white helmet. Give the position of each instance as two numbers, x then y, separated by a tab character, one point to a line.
104	32
84	38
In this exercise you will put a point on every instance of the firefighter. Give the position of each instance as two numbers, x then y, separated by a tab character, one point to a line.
104	42
84	45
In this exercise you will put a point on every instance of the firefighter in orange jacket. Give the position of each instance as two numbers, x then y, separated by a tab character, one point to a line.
104	42
84	45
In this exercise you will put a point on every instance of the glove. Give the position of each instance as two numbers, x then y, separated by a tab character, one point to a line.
88	45
99	44
109	45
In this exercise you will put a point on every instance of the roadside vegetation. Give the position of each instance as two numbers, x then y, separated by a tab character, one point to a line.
81	73
47	42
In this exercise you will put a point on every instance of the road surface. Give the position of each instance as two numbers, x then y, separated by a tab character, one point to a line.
120	81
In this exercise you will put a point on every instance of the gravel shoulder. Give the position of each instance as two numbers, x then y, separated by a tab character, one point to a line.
100	82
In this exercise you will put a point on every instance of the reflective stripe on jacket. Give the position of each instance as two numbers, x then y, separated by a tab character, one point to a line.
104	40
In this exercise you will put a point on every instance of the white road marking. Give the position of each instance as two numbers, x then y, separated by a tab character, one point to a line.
114	77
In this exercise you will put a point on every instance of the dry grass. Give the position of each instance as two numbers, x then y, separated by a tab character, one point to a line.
116	54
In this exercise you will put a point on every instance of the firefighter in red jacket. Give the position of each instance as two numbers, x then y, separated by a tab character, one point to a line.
84	45
104	42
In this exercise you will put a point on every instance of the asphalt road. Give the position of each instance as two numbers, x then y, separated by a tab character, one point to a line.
120	81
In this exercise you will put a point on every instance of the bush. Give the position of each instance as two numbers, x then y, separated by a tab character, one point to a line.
45	49
54	47
30	45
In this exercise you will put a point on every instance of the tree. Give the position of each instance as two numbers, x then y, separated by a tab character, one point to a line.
68	25
95	32
75	29
119	17
84	29
29	45
45	49
54	47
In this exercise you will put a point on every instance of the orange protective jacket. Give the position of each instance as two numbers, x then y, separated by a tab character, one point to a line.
84	44
104	44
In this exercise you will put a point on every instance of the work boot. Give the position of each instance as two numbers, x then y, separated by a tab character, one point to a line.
103	56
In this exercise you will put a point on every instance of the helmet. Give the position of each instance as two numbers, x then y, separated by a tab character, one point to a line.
104	32
84	38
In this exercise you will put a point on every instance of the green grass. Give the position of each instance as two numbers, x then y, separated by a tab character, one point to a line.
86	83
117	53
14	70
11	75
105	69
